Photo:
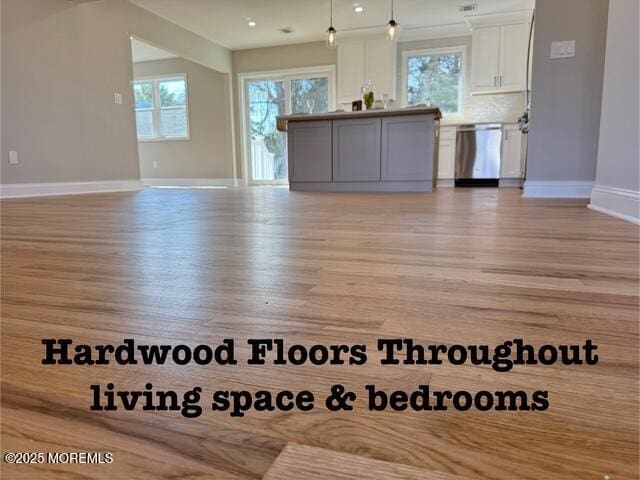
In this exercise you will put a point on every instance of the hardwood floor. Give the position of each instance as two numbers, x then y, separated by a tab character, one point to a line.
196	266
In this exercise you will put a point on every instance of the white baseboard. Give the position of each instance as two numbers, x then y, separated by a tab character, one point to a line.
446	183
19	190
190	182
617	202
534	189
510	182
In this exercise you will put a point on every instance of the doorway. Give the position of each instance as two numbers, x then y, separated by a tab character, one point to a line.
265	96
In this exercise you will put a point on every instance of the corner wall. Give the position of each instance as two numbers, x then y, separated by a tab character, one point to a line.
566	99
62	62
617	189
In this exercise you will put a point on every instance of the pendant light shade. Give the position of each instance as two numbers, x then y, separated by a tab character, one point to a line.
392	26
332	40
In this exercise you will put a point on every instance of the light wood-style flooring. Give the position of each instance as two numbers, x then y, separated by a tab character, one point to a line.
196	266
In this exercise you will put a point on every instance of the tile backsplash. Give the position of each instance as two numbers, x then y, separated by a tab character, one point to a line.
494	108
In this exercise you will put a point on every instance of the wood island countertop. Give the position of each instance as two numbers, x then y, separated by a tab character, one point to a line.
283	120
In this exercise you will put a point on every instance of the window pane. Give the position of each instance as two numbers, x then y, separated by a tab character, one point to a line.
143	94
173	93
310	95
173	122
266	100
435	80
144	123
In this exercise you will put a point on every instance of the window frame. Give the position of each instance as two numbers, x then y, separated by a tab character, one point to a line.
157	109
453	49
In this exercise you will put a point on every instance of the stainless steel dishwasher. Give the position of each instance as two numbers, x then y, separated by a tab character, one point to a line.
478	155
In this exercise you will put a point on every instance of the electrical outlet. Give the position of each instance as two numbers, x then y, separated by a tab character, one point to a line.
13	157
117	98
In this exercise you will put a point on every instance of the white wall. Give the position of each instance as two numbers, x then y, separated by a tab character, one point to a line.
566	98
617	189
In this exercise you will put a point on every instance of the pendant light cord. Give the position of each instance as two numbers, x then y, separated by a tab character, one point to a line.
331	13
392	10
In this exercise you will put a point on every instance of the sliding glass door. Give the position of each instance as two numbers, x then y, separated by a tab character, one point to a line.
268	149
268	96
310	95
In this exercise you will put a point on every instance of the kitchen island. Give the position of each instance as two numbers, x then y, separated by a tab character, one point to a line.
392	150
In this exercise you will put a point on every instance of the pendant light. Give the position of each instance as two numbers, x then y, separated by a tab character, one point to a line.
392	26
332	41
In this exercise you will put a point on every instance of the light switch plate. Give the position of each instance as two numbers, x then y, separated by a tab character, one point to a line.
117	98
13	157
565	49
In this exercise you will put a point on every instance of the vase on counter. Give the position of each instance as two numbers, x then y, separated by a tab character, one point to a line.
368	96
385	100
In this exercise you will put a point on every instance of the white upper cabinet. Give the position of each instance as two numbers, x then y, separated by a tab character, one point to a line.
514	40
499	58
362	59
485	59
351	69
381	66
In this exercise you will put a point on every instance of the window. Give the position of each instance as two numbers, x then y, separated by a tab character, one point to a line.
161	108
434	77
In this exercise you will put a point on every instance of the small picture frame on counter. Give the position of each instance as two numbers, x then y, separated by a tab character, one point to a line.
356	106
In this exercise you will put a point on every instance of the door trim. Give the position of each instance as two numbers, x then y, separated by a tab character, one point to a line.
284	74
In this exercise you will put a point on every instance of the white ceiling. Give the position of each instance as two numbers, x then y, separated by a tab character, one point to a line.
143	52
225	21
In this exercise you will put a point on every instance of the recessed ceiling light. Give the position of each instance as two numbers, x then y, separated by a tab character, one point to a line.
358	8
251	23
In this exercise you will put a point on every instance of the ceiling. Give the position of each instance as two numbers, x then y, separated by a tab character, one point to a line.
226	21
143	52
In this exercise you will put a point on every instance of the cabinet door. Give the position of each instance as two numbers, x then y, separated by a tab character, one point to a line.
351	70
446	158
407	148
447	152
513	56
310	151
356	150
511	152
485	59
381	66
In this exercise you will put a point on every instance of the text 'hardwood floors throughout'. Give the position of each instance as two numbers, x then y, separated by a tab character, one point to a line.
197	266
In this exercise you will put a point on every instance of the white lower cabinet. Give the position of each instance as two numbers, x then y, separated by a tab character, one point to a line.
447	153
512	154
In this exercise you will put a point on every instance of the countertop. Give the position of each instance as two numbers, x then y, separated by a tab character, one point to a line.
283	120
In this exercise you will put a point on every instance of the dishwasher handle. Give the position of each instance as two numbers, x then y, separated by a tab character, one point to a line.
479	128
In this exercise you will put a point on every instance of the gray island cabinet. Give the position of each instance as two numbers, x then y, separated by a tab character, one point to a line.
372	151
